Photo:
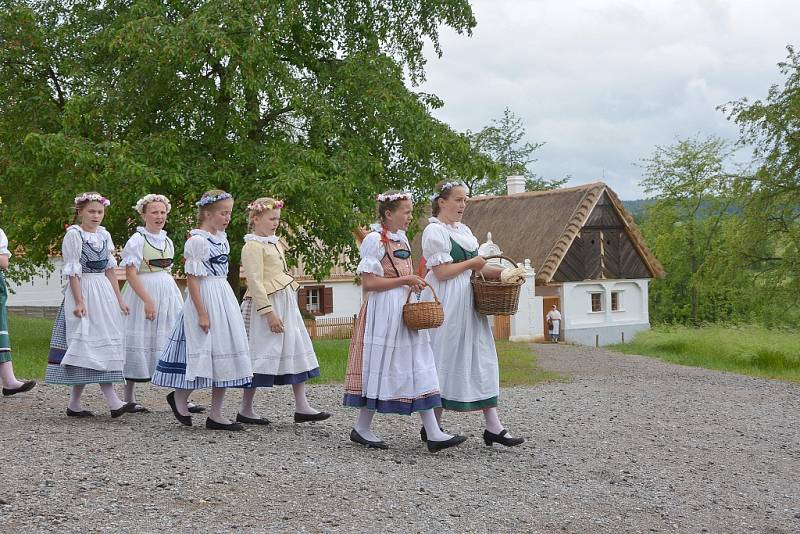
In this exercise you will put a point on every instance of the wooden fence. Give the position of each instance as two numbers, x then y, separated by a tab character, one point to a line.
332	328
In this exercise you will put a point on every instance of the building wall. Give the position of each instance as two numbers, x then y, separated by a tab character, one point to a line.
43	290
346	298
583	326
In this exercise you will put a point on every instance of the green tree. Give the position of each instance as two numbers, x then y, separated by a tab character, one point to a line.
304	100
772	211
507	153
692	187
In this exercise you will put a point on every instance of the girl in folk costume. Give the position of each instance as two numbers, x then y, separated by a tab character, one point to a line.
151	293
11	385
208	345
390	368
280	347
86	345
466	359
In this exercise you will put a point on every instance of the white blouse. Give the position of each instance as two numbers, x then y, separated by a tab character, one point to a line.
436	241
73	243
372	250
4	244
198	250
133	253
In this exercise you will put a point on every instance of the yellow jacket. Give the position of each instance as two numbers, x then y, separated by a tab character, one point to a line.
266	271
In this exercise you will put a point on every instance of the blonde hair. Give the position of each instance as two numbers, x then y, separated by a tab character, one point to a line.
259	206
204	209
389	204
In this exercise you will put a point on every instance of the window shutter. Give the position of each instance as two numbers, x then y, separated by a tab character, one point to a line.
327	300
301	298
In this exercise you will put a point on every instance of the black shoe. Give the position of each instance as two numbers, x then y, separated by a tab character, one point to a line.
82	413
309	417
252	420
436	446
489	438
356	437
423	434
128	407
26	386
185	420
196	408
139	409
213	425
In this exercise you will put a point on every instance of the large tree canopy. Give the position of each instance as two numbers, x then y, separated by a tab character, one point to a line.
304	100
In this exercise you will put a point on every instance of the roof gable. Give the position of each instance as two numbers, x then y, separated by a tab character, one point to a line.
543	225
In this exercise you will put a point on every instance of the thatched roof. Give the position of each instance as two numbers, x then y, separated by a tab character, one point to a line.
541	225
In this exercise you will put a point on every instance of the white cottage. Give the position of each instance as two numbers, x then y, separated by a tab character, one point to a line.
587	257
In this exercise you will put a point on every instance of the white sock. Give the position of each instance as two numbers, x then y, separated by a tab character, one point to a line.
432	426
493	423
301	404
111	396
7	376
130	394
182	401
75	398
217	398
364	425
248	394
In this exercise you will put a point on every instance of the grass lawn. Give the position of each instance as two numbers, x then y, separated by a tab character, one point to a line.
30	340
748	350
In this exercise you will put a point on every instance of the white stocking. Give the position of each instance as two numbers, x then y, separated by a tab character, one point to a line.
130	394
493	423
75	398
432	426
111	396
7	376
364	425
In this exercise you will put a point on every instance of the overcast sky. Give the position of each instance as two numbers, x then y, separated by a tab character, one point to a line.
604	81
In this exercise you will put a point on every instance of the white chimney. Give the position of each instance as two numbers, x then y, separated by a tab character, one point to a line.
515	184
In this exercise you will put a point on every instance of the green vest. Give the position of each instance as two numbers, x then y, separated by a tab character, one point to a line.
458	253
150	252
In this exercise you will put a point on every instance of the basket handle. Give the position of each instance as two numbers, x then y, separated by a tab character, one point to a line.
435	297
494	256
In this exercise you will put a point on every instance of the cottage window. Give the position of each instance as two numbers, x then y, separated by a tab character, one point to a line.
313	299
616	300
317	300
597	302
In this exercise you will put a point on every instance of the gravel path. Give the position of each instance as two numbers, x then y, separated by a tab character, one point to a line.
625	444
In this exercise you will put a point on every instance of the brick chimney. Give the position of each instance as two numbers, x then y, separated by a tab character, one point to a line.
515	184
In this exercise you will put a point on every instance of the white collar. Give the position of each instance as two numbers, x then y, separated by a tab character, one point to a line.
460	233
400	235
160	236
221	236
91	237
273	239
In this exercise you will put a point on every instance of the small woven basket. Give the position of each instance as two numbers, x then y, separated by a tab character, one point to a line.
423	315
493	297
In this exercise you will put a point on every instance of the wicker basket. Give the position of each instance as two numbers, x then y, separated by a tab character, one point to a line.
493	297
422	315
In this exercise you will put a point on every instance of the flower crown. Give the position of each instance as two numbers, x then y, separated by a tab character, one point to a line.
92	197
445	187
405	195
261	206
147	199
205	201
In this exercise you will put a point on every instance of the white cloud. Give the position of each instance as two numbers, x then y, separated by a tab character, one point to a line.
604	81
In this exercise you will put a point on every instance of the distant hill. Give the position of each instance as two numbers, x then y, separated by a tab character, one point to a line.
637	207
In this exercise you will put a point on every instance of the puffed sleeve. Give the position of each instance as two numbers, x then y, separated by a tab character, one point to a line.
4	244
372	252
112	260
71	253
133	253
253	265
436	245
195	252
